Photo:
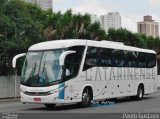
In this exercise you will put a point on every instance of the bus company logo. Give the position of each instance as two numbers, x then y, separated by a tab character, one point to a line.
119	73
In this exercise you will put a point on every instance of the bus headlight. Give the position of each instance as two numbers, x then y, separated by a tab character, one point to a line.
22	91
53	91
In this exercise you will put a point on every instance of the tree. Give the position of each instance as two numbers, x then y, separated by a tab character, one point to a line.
18	31
72	26
24	24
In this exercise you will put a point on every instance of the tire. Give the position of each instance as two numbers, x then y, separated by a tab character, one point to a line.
50	106
140	92
86	98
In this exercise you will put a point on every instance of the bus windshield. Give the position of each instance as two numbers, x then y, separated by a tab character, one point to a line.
42	68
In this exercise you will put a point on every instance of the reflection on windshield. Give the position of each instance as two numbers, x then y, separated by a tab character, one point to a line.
42	68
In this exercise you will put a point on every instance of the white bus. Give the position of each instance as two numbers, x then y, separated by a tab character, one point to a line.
78	71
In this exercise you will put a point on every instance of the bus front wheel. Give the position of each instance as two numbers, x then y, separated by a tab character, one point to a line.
86	98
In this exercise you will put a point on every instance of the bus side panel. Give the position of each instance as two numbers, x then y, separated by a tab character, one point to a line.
110	82
72	89
151	80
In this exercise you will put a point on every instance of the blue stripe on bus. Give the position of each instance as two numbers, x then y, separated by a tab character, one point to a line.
61	91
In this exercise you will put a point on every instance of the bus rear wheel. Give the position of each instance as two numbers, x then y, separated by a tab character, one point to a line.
140	92
50	106
86	98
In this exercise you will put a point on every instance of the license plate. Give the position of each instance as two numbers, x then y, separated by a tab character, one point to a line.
37	99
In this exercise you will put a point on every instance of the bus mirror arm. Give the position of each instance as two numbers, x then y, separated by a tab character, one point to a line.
63	56
15	59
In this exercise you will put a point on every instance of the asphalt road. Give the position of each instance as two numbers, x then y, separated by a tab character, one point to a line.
150	104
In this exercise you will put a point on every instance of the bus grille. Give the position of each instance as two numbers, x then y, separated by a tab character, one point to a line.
37	93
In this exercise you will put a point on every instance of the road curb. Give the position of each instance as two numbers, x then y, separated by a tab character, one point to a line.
6	100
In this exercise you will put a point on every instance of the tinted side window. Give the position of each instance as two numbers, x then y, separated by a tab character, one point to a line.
151	60
92	58
131	59
142	61
119	58
105	57
73	61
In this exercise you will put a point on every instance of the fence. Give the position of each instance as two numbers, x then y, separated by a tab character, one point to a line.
9	87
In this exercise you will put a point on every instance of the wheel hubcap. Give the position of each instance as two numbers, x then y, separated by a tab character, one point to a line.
85	97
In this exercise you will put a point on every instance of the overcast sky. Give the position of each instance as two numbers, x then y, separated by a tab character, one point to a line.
131	11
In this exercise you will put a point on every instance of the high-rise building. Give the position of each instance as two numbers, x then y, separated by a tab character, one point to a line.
44	4
148	27
94	18
111	20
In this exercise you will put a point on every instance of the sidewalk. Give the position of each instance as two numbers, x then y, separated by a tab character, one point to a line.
6	100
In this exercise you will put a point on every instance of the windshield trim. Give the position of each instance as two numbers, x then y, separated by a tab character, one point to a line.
65	48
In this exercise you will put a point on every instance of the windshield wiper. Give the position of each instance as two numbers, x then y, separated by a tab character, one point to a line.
44	73
33	70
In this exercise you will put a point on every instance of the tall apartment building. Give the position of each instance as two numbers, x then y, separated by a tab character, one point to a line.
94	18
44	4
111	20
148	27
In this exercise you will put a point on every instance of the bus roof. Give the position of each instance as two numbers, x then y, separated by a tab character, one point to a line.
57	44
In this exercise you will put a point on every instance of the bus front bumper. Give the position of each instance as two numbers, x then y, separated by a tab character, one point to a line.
49	99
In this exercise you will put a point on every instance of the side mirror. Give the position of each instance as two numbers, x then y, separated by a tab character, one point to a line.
15	59
63	56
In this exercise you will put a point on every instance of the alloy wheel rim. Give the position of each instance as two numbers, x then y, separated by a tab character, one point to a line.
85	97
